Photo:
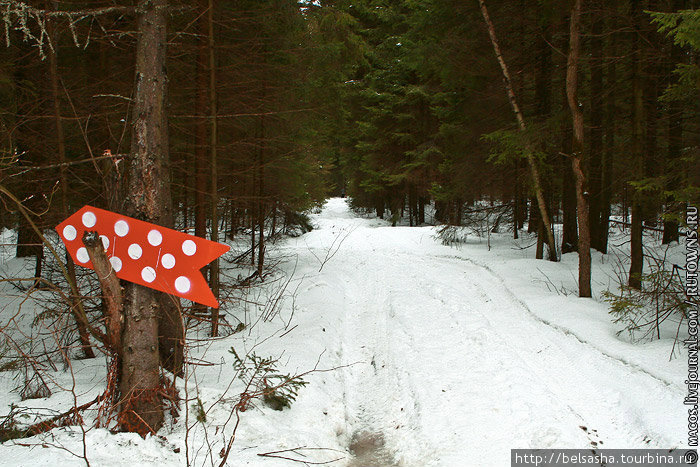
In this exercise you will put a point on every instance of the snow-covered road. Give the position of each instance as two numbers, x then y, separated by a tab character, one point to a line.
447	366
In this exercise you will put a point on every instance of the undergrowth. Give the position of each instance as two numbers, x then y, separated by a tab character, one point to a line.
264	381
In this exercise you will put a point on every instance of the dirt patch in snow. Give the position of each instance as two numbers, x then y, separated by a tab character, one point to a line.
369	451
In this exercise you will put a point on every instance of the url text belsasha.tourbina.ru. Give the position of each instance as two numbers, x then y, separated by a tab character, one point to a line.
691	291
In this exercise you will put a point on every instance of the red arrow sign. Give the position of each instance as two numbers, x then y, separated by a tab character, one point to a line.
145	253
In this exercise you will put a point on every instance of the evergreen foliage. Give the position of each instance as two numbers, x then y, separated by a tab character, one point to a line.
263	381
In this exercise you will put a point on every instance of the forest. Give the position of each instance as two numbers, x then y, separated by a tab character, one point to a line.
234	121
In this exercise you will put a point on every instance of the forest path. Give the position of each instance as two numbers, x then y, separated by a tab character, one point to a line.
445	364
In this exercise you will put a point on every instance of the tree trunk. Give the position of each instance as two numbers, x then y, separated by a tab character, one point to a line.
596	143
273	223
544	68
213	130
610	119
379	206
569	238
584	239
253	220
411	204
537	185
148	198
201	162
651	74
636	249
200	131
636	240
187	189
543	100
516	200
421	210
675	143
533	223
261	190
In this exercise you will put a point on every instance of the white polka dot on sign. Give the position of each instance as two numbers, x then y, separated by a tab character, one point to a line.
182	284
116	263
155	238
189	247
89	219
121	228
105	241
135	251
82	255
148	274
69	233
168	261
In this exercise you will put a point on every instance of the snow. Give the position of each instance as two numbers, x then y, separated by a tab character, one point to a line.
426	355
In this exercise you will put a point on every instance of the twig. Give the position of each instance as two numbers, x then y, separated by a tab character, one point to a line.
289	330
79	311
68	164
330	253
51	423
296	451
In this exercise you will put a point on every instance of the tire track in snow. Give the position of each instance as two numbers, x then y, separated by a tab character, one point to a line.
516	301
381	400
562	351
